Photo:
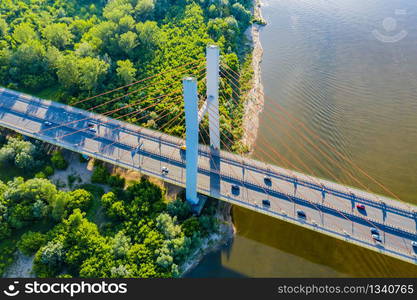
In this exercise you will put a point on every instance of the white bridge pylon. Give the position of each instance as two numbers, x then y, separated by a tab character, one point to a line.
193	118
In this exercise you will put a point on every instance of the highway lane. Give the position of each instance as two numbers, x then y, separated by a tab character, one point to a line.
333	214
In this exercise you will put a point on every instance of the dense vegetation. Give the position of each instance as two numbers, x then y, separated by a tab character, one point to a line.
141	234
71	49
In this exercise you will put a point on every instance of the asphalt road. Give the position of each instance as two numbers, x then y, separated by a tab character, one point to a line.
329	207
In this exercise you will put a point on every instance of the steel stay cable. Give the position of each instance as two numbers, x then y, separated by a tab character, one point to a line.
335	150
139	81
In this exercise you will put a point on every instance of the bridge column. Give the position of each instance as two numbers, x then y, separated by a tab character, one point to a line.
191	139
213	58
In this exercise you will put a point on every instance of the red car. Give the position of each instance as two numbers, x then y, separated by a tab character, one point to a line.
360	206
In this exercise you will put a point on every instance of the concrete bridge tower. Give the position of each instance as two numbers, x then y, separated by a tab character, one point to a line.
193	118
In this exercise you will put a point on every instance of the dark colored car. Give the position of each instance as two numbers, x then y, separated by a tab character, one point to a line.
374	231
301	214
266	203
235	189
267	180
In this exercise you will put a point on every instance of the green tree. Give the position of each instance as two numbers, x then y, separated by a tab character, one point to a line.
126	71
58	34
30	242
24	33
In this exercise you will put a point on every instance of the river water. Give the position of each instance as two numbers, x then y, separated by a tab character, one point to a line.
346	69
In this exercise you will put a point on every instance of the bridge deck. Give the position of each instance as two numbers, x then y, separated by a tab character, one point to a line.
334	214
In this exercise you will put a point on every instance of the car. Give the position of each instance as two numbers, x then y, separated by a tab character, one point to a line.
267	180
183	147
266	202
164	170
235	189
360	206
92	130
301	214
374	231
376	238
414	244
47	123
89	124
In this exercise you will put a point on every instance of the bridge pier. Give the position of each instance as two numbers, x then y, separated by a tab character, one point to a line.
213	58
191	138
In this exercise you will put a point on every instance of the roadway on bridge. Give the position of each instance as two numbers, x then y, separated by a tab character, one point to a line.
329	207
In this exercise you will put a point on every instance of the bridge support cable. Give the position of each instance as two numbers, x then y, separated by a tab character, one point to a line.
323	191
320	164
136	102
191	129
282	157
333	149
103	122
298	158
265	190
138	81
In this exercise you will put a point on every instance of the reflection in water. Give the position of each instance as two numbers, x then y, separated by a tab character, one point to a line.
325	65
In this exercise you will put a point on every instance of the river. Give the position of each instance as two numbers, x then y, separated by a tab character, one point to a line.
347	69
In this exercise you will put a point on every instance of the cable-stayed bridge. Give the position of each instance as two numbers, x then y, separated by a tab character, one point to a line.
307	201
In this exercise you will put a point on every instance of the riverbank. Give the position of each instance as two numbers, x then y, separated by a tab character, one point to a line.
215	241
254	102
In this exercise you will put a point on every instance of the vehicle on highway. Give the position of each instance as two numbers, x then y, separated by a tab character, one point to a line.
360	206
235	189
47	123
374	231
183	147
89	124
414	244
266	203
92	129
164	170
301	214
267	180
376	238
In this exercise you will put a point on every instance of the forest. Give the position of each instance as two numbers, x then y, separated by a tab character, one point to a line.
69	50
132	230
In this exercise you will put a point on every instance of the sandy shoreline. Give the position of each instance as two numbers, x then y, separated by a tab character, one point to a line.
255	98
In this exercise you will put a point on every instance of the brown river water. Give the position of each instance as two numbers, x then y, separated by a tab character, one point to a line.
348	70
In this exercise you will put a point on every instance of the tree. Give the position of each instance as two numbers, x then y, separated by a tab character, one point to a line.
58	34
128	42
79	199
58	161
100	174
4	28
30	242
144	9
92	72
126	71
68	72
24	33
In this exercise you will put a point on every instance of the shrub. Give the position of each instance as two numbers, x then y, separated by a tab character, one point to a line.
58	161
30	242
48	171
116	181
100	175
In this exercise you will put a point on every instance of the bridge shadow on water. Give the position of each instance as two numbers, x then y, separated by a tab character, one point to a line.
340	256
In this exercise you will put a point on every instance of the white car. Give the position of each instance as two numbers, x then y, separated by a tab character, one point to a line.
164	170
47	123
